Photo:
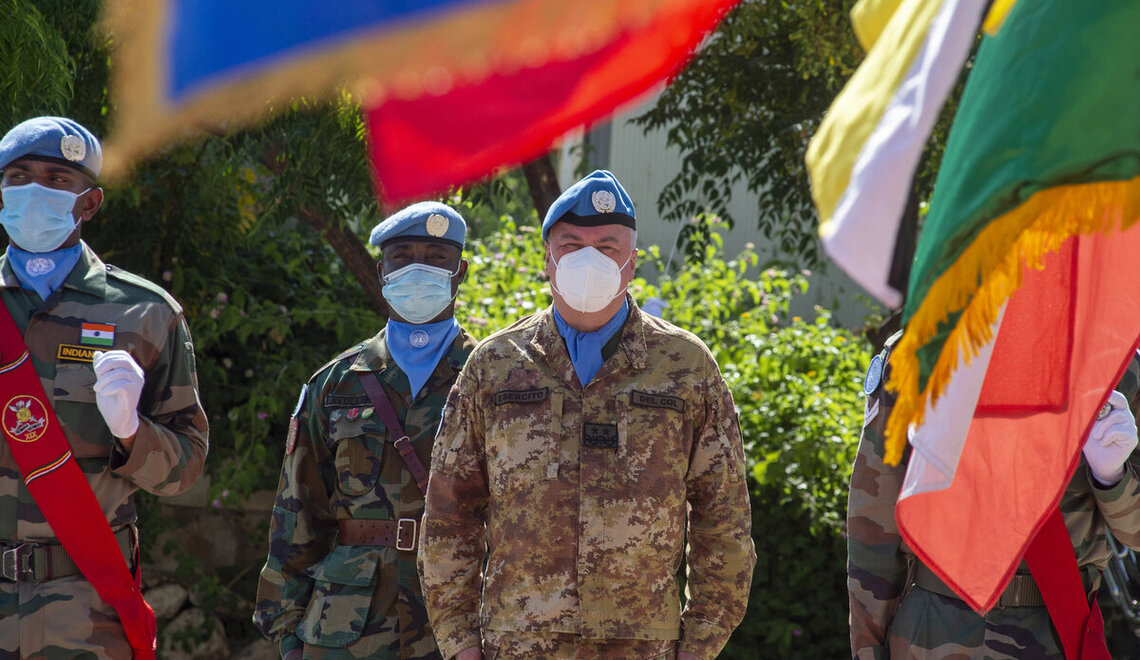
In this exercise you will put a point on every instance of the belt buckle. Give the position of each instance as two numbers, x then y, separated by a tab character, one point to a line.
411	545
16	563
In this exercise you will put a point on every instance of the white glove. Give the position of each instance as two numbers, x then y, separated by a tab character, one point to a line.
1111	441
118	384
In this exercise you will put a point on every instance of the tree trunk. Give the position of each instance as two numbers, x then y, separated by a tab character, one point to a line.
344	242
543	183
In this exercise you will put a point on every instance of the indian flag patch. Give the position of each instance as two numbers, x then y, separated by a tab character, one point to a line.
97	334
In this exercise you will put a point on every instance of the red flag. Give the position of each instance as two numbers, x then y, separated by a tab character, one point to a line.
427	143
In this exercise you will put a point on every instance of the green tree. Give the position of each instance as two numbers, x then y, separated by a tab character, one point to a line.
744	111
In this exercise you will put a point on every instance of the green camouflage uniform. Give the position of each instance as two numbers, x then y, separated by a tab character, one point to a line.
64	617
892	618
341	601
579	499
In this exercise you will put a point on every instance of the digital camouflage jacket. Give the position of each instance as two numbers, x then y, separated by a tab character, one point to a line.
580	500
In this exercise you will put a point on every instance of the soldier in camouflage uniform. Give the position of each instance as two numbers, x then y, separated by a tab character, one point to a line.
131	415
900	609
340	580
580	448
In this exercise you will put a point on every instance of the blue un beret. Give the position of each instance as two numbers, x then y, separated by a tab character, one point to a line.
596	200
55	139
424	221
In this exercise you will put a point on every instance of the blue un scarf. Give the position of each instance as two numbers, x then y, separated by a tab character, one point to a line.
43	272
418	347
586	347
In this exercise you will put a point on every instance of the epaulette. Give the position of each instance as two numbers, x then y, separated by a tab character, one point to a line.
143	283
343	354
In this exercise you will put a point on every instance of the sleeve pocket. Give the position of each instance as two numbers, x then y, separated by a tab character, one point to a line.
344	585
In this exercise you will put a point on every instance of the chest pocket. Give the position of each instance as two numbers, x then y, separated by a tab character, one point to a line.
74	381
656	434
359	451
524	429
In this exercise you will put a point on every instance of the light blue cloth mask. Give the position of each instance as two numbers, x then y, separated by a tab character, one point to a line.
37	218
586	347
418	348
43	272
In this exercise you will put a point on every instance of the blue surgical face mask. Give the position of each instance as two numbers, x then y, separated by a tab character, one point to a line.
38	219
418	292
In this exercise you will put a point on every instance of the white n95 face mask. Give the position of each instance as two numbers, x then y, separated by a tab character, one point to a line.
37	218
418	292
587	279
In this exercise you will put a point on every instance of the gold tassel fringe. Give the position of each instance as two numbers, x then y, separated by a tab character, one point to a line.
987	273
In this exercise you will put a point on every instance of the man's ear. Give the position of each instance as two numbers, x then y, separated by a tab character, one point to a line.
90	204
462	275
380	271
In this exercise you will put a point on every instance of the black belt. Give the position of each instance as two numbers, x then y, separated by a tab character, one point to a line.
1022	591
34	561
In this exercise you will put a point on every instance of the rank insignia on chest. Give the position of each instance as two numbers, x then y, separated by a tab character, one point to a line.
351	414
97	334
601	436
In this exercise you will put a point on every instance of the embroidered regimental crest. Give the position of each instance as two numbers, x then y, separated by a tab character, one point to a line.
603	201
25	418
73	148
40	266
436	225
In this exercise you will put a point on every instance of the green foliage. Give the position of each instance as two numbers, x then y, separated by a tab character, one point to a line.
35	57
744	111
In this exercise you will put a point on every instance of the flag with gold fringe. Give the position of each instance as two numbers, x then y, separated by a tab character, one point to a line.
1021	311
452	89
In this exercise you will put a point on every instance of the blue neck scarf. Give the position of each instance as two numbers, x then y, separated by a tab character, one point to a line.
43	272
417	348
586	347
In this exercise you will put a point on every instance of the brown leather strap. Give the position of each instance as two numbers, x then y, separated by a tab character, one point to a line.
400	534
1022	591
403	444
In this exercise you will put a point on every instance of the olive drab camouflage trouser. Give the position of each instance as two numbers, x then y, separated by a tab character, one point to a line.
58	619
509	645
929	625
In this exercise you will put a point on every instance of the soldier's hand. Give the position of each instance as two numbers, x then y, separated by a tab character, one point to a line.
118	385
1111	441
470	653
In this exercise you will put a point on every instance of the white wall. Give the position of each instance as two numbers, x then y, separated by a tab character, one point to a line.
644	165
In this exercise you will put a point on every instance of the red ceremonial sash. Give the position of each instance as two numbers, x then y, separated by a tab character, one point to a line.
1054	566
62	492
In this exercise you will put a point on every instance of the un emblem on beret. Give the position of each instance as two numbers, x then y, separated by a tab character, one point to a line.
436	225
73	148
603	201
